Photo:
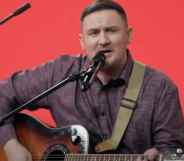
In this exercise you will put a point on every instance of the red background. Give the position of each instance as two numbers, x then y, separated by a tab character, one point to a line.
51	28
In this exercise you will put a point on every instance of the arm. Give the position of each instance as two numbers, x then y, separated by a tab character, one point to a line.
20	154
23	86
16	90
20	88
168	122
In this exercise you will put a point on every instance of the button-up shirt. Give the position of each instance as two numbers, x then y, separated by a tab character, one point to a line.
156	121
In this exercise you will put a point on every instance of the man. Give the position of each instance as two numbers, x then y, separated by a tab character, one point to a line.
156	125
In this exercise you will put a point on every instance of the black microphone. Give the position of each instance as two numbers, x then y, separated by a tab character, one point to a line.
88	76
18	11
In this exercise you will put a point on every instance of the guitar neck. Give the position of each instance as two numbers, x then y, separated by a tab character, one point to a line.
104	157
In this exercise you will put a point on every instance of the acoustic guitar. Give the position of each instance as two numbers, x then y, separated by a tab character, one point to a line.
73	143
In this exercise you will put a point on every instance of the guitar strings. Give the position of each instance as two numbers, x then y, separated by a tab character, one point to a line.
71	157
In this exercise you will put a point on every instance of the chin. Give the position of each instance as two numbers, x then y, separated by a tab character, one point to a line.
110	61
108	65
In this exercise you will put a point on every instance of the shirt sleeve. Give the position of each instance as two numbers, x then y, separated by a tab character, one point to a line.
24	85
168	122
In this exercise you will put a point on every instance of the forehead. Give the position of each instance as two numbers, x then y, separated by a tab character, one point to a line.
103	18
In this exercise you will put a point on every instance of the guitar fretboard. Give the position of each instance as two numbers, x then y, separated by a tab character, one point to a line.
104	157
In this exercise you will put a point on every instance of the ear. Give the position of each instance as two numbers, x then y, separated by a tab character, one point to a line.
81	38
130	31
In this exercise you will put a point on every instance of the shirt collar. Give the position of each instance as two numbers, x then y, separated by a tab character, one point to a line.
126	71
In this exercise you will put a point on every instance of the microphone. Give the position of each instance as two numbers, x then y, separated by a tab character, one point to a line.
88	76
18	11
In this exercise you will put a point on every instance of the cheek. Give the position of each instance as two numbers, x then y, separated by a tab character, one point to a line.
121	40
89	44
120	47
90	48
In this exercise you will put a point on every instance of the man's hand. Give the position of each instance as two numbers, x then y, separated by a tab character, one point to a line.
149	155
16	152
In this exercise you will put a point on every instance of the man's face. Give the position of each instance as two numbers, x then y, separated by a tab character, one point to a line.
105	30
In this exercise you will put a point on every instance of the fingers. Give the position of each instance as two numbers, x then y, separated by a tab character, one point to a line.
152	154
149	155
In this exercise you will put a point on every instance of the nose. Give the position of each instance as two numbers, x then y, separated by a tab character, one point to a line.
103	39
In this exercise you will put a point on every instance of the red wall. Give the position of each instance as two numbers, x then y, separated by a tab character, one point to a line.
51	28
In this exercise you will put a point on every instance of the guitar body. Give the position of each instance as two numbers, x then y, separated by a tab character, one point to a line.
72	143
45	143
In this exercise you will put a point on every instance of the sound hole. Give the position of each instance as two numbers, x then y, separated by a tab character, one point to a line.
56	155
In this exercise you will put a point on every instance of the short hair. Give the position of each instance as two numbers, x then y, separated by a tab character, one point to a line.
98	5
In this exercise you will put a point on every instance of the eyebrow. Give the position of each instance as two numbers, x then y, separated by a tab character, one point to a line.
107	27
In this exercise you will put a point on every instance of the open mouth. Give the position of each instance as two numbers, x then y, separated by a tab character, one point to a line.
105	52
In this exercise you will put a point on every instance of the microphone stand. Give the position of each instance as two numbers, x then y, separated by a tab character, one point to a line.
73	77
17	12
86	78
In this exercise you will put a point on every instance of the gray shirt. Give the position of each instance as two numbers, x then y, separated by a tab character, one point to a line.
156	122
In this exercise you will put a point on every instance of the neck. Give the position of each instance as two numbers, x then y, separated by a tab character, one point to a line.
109	157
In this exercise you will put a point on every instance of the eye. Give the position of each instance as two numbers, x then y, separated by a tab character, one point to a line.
93	32
112	29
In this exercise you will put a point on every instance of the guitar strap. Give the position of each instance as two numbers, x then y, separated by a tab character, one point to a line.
127	106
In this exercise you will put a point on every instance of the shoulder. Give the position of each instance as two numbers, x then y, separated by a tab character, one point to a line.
65	62
157	88
158	80
56	68
66	59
